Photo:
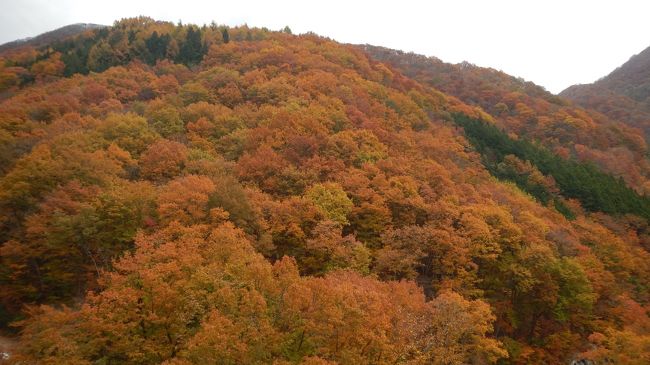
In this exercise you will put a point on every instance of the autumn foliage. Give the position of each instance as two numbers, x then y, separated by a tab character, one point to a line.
187	195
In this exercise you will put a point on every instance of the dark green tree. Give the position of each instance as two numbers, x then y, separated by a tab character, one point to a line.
192	49
225	35
157	47
597	191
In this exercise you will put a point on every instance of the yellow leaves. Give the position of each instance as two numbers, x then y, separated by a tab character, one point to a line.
129	131
164	118
194	92
524	111
101	56
332	200
534	226
357	147
9	76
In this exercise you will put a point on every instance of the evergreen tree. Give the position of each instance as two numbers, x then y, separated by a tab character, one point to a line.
192	49
225	35
157	47
596	190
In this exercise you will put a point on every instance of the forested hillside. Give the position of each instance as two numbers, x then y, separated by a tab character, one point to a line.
624	94
45	39
188	195
527	110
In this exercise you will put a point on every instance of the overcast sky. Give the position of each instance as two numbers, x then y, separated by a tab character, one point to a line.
554	43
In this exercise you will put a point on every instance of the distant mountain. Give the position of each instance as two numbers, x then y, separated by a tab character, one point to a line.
624	94
51	36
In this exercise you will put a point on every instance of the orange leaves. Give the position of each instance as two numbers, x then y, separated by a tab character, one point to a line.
185	199
248	311
53	337
222	341
623	347
230	95
262	166
454	318
165	84
162	160
94	92
317	82
171	282
329	164
348	318
329	250
51	67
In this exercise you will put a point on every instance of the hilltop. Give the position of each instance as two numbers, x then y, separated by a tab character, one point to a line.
50	37
624	94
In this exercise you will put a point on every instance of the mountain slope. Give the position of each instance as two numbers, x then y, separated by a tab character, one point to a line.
531	112
624	94
632	79
205	194
50	37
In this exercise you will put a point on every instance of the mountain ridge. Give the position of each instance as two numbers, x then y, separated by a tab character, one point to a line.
530	111
623	94
42	39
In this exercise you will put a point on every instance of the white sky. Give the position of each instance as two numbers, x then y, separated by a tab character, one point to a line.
553	43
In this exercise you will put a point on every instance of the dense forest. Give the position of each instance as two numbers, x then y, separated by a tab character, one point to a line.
541	173
614	144
185	194
624	94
